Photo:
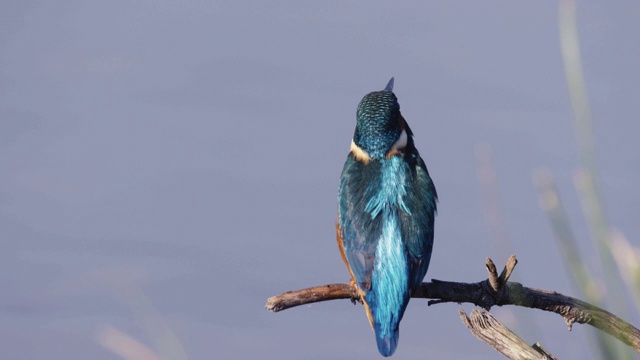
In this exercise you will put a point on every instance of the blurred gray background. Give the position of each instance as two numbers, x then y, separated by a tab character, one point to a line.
166	166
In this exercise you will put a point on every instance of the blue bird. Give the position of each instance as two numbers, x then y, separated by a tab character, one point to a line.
387	205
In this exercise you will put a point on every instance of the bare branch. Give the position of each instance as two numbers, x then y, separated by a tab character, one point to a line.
544	351
483	294
490	331
308	296
508	269
494	280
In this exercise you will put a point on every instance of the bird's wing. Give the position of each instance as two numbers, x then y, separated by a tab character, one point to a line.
417	224
360	232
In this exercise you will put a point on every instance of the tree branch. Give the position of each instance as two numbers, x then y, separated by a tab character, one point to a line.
490	331
483	294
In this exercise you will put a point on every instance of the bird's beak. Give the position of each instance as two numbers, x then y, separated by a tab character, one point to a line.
389	86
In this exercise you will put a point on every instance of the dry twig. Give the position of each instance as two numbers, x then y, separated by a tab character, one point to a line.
490	331
491	292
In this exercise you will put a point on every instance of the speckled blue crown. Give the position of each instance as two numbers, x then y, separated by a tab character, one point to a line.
377	125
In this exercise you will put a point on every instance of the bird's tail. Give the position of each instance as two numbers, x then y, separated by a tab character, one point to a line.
385	322
387	343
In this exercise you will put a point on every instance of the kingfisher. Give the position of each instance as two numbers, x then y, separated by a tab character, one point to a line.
387	205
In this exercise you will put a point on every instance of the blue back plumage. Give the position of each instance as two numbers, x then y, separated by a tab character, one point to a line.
387	205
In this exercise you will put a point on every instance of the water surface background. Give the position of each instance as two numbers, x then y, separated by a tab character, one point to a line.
166	166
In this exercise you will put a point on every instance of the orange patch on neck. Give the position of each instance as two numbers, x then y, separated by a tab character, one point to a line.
359	154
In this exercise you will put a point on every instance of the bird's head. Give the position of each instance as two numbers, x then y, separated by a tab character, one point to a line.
380	129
